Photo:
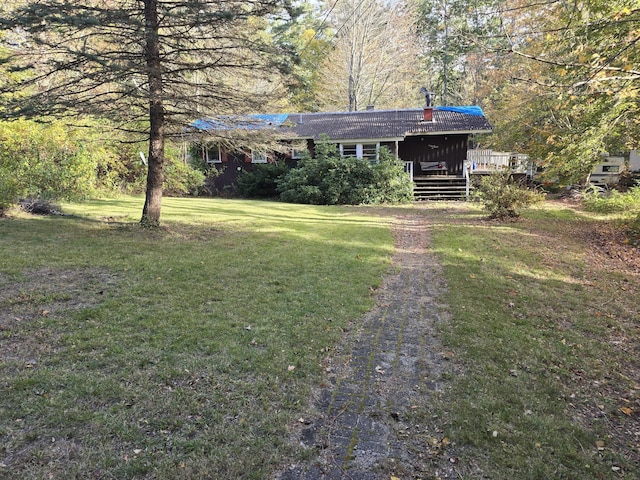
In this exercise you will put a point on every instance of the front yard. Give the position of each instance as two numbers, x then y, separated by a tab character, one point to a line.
191	350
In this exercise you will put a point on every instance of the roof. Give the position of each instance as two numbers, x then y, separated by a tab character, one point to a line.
362	125
245	122
388	124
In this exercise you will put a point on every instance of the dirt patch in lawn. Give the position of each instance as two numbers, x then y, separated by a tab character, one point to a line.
44	294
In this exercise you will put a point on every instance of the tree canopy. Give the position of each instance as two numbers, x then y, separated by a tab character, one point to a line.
152	66
559	80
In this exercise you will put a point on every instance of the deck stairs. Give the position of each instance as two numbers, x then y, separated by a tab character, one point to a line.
439	187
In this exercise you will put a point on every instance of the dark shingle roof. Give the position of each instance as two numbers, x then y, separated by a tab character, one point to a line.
385	124
361	125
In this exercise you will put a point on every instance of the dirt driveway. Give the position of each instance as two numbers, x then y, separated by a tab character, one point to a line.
362	427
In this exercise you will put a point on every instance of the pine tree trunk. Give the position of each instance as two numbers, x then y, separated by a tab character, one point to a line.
155	174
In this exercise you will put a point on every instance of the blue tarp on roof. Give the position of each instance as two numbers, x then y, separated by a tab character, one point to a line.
470	110
246	122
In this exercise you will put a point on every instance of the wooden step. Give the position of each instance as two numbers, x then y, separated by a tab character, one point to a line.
439	187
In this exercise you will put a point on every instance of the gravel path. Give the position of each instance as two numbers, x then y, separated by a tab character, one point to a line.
363	428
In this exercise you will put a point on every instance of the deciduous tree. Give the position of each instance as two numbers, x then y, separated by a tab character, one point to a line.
374	57
571	89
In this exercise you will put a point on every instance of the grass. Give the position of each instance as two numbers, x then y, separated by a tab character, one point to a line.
179	353
545	334
188	352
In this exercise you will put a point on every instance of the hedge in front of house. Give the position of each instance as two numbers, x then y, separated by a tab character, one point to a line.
330	179
262	182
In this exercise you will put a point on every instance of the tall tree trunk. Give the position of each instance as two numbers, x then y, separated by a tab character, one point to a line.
155	176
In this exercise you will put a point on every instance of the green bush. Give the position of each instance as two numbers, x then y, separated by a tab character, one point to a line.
262	182
182	179
129	174
612	201
502	197
330	179
45	161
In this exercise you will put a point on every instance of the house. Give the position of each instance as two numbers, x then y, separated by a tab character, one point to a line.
430	140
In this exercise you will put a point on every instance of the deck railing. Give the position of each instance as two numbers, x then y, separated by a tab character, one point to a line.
408	167
467	178
484	160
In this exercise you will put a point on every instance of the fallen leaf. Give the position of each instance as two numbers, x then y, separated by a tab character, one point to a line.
626	410
600	445
472	276
379	370
291	368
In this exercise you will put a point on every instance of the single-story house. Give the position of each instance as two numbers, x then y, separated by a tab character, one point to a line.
430	139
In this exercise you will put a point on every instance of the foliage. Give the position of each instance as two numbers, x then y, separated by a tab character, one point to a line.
373	56
502	197
330	179
460	40
612	201
182	179
263	181
147	65
45	161
310	37
570	90
52	161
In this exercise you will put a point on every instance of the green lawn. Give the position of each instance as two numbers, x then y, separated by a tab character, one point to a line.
544	337
173	353
190	351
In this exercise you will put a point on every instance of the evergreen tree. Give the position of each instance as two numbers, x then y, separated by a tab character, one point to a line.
152	65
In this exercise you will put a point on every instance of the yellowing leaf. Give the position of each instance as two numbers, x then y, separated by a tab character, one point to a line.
626	410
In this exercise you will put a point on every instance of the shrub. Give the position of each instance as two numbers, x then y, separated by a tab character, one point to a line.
181	178
502	197
45	161
330	179
262	182
611	201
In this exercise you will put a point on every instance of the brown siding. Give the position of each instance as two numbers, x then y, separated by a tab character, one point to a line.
233	165
451	149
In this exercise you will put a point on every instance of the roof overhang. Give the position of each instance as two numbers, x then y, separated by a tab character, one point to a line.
365	140
446	132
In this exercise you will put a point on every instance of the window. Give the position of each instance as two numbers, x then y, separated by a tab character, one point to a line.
368	151
296	153
349	150
213	154
610	168
258	157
